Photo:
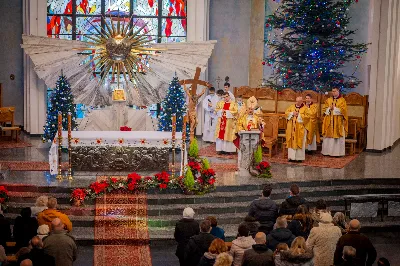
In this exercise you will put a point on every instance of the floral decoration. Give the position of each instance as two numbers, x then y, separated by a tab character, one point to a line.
264	169
125	128
3	197
204	178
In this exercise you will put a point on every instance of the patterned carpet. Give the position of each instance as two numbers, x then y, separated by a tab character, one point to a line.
316	160
121	232
13	144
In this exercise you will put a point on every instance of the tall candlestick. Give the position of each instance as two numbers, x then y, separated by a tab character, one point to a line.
59	175
69	147
173	143
185	119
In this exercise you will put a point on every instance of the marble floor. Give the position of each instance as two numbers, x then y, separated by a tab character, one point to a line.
366	165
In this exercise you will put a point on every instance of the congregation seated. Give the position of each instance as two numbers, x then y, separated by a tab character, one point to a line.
297	255
37	255
243	242
289	206
339	220
59	244
40	205
216	248
264	210
216	231
252	224
48	215
259	254
280	234
366	253
5	229
198	244
25	227
184	230
301	223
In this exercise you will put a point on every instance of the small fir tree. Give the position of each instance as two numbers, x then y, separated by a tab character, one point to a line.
61	100
311	44
189	179
174	103
194	149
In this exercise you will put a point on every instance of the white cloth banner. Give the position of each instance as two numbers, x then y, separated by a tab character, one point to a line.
113	138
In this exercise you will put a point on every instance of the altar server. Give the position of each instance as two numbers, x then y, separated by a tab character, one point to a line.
312	126
335	125
227	87
226	126
210	116
296	134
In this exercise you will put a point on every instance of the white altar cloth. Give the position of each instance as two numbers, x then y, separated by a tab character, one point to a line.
113	138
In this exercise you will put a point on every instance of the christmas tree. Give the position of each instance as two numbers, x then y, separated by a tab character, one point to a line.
174	103
61	100
309	45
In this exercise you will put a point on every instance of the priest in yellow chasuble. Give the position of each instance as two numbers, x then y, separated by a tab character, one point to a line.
312	126
335	126
249	119
296	133
226	126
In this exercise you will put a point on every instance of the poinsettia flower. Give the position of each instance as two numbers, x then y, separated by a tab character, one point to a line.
131	186
211	181
113	180
2	200
163	186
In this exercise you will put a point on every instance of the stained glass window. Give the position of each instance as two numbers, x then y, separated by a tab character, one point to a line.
69	19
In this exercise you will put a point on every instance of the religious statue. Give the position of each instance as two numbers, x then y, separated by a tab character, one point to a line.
193	101
118	95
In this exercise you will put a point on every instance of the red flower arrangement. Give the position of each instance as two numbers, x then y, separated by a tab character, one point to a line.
195	167
78	194
264	169
125	128
3	196
99	187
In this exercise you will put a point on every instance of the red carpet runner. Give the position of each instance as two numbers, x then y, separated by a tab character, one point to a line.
120	232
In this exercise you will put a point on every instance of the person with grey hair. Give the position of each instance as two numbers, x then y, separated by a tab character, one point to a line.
184	230
349	256
60	244
260	254
280	234
40	205
199	244
366	253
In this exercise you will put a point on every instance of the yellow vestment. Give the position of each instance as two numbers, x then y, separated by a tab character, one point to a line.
246	121
333	124
312	124
295	129
226	126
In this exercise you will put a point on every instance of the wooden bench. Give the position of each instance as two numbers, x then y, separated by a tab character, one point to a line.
7	117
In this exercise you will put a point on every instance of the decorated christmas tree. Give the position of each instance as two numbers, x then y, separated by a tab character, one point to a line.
61	100
174	103
310	45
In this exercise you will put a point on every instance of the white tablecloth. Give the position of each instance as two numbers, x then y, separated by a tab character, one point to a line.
113	138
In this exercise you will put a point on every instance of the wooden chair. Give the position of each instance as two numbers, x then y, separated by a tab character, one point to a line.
270	136
7	116
357	110
351	139
267	99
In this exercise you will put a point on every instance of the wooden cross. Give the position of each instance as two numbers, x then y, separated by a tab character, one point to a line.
194	98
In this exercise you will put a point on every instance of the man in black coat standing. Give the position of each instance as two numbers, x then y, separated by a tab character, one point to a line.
280	234
184	230
365	251
259	255
289	206
199	244
264	210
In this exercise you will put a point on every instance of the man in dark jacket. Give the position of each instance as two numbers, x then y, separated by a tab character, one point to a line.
199	244
184	230
37	255
365	251
289	206
5	230
264	210
280	235
259	255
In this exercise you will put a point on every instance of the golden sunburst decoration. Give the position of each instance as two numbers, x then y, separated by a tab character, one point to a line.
121	49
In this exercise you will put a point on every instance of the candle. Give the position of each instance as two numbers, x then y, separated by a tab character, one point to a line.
69	124
59	123
184	127
173	126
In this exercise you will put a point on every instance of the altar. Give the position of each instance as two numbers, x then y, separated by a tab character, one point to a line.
117	150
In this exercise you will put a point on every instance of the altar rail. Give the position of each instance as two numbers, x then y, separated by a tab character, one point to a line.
274	103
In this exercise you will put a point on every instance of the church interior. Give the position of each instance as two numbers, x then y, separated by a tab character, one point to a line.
200	132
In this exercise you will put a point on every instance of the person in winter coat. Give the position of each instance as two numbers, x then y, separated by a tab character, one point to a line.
241	244
340	221
264	210
323	239
217	247
40	205
280	235
48	215
223	259
198	244
297	255
302	222
366	252
184	230
349	256
277	253
215	230
252	224
25	228
260	254
289	206
320	207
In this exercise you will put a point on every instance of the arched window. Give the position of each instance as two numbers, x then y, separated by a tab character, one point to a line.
69	19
